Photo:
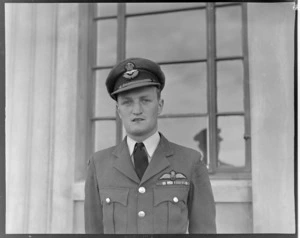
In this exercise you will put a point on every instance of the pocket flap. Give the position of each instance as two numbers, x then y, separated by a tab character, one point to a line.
165	193
119	195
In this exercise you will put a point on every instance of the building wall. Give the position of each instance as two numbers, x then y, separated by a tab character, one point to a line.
271	52
47	122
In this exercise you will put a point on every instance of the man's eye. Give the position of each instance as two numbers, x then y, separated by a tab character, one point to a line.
125	102
146	100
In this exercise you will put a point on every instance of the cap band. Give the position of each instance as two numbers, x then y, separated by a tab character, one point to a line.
136	84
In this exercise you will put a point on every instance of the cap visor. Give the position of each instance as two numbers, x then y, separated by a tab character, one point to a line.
136	85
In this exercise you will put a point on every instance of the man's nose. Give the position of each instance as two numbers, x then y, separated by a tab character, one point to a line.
137	109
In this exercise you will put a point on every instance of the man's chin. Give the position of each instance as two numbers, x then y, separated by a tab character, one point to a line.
138	133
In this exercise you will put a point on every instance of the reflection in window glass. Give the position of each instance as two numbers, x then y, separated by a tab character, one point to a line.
165	37
106	42
149	7
105	134
229	31
230	86
202	139
232	144
104	104
183	131
185	88
106	9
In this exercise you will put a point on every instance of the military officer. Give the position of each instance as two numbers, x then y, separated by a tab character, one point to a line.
146	184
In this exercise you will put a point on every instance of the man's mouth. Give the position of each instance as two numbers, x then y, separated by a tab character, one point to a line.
137	119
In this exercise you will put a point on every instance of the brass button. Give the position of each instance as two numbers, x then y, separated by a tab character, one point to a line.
107	200
142	190
141	214
175	199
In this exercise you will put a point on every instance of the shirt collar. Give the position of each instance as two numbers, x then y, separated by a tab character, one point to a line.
150	143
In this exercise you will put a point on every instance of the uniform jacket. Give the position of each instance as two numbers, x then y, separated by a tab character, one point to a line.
174	194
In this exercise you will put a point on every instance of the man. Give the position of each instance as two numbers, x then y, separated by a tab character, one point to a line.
146	184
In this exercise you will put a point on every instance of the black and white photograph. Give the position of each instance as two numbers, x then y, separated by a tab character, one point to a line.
150	118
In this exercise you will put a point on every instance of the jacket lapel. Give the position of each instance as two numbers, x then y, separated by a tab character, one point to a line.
159	160
123	162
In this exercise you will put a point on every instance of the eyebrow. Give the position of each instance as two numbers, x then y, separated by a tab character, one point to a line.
124	97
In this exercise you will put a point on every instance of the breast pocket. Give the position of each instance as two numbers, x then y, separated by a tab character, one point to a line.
170	209
114	202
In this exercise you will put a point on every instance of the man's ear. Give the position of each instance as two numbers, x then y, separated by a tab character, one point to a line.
160	106
117	109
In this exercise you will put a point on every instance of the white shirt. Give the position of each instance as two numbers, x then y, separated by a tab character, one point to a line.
150	143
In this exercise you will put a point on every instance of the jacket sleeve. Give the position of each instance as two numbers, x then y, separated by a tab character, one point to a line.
201	204
92	203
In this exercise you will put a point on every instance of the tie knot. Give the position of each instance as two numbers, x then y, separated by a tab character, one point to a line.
139	145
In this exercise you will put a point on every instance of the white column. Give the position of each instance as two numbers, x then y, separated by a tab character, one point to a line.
19	78
42	92
64	128
271	49
41	160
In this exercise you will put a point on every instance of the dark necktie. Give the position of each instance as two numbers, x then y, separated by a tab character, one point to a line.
140	159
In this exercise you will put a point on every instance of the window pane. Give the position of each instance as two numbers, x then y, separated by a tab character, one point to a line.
230	86
106	42
149	7
183	131
165	37
185	88
232	144
106	9
104	104
105	134
229	31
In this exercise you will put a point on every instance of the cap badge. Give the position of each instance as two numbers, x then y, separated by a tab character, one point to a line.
131	72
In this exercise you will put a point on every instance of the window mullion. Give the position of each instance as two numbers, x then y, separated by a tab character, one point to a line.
92	57
211	86
247	135
121	43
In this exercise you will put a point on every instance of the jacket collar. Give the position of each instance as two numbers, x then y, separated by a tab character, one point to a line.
123	162
158	163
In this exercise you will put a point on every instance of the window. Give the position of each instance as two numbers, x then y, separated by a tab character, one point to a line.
202	49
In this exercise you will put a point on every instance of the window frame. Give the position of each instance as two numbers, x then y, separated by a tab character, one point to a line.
210	60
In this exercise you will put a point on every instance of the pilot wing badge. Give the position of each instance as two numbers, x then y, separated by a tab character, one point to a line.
173	178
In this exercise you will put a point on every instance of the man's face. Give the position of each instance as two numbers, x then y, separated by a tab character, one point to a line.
139	109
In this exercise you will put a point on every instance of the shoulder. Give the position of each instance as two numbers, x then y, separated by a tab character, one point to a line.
106	151
102	155
184	149
180	150
188	159
189	156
